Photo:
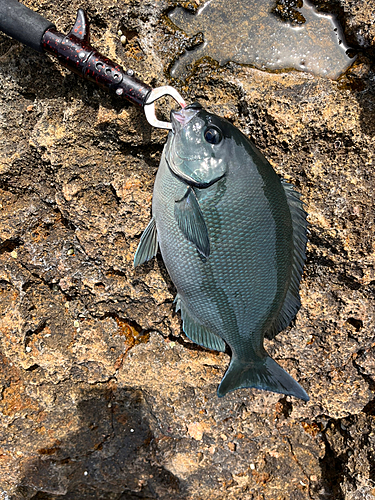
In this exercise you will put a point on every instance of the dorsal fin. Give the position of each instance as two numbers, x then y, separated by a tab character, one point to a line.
292	301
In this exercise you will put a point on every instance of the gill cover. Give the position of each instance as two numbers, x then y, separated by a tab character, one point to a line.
196	150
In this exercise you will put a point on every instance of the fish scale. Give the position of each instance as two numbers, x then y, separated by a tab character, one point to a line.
232	237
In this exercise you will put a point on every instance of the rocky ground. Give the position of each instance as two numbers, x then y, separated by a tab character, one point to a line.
102	396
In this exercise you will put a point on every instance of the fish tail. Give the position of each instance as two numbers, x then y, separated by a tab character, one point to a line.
263	373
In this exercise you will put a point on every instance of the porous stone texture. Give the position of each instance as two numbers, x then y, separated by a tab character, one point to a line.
102	396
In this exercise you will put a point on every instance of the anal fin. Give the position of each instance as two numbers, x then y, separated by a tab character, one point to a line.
197	332
148	245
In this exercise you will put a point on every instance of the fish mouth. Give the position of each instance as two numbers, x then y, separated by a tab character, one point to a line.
180	118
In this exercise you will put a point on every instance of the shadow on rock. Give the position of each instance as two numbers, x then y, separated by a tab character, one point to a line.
111	457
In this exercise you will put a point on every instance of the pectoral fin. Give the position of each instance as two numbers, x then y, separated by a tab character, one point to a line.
190	220
148	246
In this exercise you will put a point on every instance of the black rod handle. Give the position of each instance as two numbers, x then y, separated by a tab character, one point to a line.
75	52
72	50
23	24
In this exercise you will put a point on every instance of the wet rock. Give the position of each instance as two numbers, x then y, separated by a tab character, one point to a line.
102	396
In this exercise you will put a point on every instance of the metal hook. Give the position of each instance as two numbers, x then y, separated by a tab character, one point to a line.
149	106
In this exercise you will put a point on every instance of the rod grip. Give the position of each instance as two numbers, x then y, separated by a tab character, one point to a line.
23	24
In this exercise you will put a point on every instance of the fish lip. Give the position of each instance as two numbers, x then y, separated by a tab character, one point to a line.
180	118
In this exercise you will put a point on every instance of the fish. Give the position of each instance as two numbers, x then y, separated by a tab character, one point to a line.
232	235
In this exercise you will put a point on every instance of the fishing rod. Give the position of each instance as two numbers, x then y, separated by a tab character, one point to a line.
75	52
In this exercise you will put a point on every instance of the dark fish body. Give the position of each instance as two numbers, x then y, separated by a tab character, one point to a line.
232	236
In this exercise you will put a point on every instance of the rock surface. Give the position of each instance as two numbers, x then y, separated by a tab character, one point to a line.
102	396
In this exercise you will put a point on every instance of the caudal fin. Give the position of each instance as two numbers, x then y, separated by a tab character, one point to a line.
263	374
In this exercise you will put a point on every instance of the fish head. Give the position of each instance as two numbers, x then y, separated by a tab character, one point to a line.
197	149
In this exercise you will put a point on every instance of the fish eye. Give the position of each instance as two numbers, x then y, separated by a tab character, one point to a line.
213	135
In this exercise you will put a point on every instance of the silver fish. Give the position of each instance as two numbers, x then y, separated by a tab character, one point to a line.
232	236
